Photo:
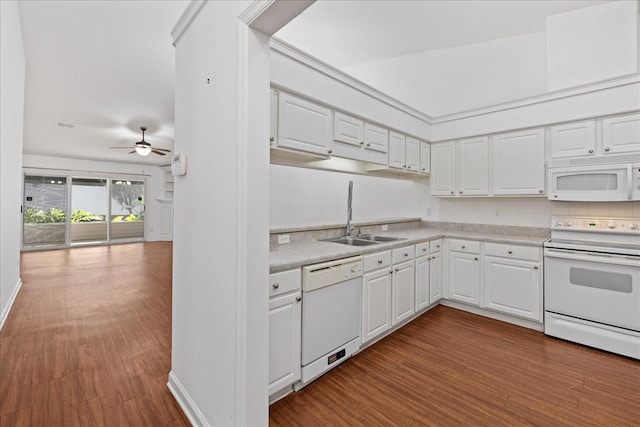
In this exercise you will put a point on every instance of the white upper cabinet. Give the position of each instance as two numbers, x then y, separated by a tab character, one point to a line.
518	163
573	140
443	169
303	125
348	129
621	134
412	154
396	150
473	171
376	138
425	157
273	122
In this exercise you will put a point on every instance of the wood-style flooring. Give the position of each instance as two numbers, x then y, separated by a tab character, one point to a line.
88	341
451	368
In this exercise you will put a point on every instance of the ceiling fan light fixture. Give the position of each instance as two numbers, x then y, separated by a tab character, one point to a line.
143	150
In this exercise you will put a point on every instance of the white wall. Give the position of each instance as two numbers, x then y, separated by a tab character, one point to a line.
12	72
592	44
154	177
301	196
528	212
461	78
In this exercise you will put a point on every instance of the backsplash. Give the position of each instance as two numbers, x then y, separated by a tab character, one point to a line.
527	211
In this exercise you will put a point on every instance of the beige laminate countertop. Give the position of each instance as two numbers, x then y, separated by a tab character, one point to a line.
296	254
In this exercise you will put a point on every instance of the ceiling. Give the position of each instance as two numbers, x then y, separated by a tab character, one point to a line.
105	67
349	32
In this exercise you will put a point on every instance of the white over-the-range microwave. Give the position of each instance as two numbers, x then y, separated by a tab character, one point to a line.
595	179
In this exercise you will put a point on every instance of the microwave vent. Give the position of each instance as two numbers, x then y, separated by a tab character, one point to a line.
599	160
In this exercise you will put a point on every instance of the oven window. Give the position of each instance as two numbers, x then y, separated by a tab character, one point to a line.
607	280
588	182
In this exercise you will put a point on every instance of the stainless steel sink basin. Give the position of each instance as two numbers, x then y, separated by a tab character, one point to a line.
364	240
374	238
346	240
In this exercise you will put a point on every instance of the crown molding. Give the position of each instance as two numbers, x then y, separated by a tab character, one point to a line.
254	10
296	54
187	17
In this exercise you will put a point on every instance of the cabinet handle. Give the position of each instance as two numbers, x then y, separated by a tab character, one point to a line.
424	169
540	191
330	151
476	258
379	261
607	149
464	247
276	286
405	254
509	252
424	249
451	192
272	139
460	192
437	246
535	267
368	144
590	150
298	298
361	142
390	271
396	269
404	166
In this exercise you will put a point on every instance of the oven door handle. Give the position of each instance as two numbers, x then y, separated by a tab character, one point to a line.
629	261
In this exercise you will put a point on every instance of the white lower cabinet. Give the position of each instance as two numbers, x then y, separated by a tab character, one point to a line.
285	317
403	287
376	303
435	277
513	285
422	282
464	277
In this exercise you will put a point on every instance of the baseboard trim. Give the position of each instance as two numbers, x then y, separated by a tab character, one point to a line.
7	309
538	326
189	407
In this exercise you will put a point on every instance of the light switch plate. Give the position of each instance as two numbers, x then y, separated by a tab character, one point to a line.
283	238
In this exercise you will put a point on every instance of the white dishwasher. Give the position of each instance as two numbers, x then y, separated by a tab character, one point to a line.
331	305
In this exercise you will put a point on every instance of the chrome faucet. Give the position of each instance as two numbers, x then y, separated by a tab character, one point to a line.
350	227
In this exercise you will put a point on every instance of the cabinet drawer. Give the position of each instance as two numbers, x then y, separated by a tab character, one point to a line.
403	254
464	246
435	245
530	253
285	281
377	260
422	249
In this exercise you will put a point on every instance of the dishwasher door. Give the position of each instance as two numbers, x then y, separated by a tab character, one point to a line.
330	318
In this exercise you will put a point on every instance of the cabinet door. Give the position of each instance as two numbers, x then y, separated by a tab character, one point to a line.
513	287
473	166
443	169
621	134
303	125
403	291
396	150
376	304
435	281
573	140
284	341
518	163
464	277
425	157
412	154
422	282
376	138
348	129
273	124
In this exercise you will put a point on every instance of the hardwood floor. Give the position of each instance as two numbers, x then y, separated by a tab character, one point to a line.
88	341
454	368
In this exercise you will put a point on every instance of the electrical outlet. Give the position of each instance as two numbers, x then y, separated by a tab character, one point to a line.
497	212
428	211
384	228
283	238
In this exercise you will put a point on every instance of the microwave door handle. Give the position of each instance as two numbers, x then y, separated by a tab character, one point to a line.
629	182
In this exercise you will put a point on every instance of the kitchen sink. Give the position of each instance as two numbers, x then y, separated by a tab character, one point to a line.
364	240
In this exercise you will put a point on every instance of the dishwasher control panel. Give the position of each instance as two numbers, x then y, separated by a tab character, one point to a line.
330	273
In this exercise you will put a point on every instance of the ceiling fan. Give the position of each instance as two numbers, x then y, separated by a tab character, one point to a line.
143	148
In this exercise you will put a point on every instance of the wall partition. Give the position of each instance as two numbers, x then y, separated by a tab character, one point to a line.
64	211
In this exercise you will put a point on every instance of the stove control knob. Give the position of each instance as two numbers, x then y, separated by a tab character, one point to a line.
633	226
611	225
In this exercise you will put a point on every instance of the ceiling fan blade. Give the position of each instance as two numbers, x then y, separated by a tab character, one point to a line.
131	152
128	148
153	150
162	149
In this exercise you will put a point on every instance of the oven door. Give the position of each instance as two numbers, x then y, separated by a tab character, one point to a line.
602	288
596	183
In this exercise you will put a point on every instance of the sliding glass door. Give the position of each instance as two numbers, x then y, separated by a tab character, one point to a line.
44	211
127	209
60	211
